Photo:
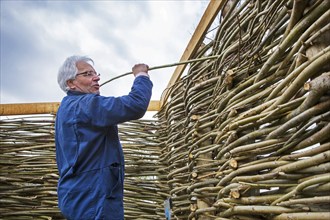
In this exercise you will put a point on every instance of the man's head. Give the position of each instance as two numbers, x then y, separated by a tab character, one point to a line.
78	74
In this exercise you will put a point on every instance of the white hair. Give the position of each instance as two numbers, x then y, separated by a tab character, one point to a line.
69	70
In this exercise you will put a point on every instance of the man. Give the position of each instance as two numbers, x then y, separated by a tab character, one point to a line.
88	152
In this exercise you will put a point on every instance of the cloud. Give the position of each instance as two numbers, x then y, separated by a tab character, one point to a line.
36	37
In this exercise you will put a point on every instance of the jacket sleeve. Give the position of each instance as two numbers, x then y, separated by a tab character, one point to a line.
103	111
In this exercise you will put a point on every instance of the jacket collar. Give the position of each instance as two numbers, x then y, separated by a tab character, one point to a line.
71	92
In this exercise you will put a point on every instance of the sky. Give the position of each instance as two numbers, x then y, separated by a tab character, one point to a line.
37	36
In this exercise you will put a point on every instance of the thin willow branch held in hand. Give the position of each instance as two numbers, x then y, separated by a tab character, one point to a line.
165	66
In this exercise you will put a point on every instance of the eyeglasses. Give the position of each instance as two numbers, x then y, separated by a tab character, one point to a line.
89	74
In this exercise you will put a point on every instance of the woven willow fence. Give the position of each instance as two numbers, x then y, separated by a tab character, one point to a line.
28	179
244	136
247	135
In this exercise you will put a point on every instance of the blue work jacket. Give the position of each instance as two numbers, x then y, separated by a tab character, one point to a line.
89	155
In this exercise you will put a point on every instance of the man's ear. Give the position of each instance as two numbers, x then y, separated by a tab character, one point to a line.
71	84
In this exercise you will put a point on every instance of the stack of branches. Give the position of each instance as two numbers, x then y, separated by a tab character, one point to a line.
29	173
247	135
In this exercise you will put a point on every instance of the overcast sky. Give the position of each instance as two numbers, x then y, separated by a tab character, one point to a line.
37	36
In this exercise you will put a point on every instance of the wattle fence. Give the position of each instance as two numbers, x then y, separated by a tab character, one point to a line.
243	136
28	178
247	135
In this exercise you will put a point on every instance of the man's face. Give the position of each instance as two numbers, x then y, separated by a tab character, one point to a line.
86	80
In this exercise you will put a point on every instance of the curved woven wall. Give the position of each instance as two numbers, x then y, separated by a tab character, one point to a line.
247	135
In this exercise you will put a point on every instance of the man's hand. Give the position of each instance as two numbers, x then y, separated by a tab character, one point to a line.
140	69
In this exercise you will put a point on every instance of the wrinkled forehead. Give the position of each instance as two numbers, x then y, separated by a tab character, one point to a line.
84	65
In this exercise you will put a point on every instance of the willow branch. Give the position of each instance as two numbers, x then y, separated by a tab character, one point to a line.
165	66
301	186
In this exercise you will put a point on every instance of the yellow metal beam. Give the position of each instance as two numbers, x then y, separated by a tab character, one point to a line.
29	108
154	105
209	15
47	108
